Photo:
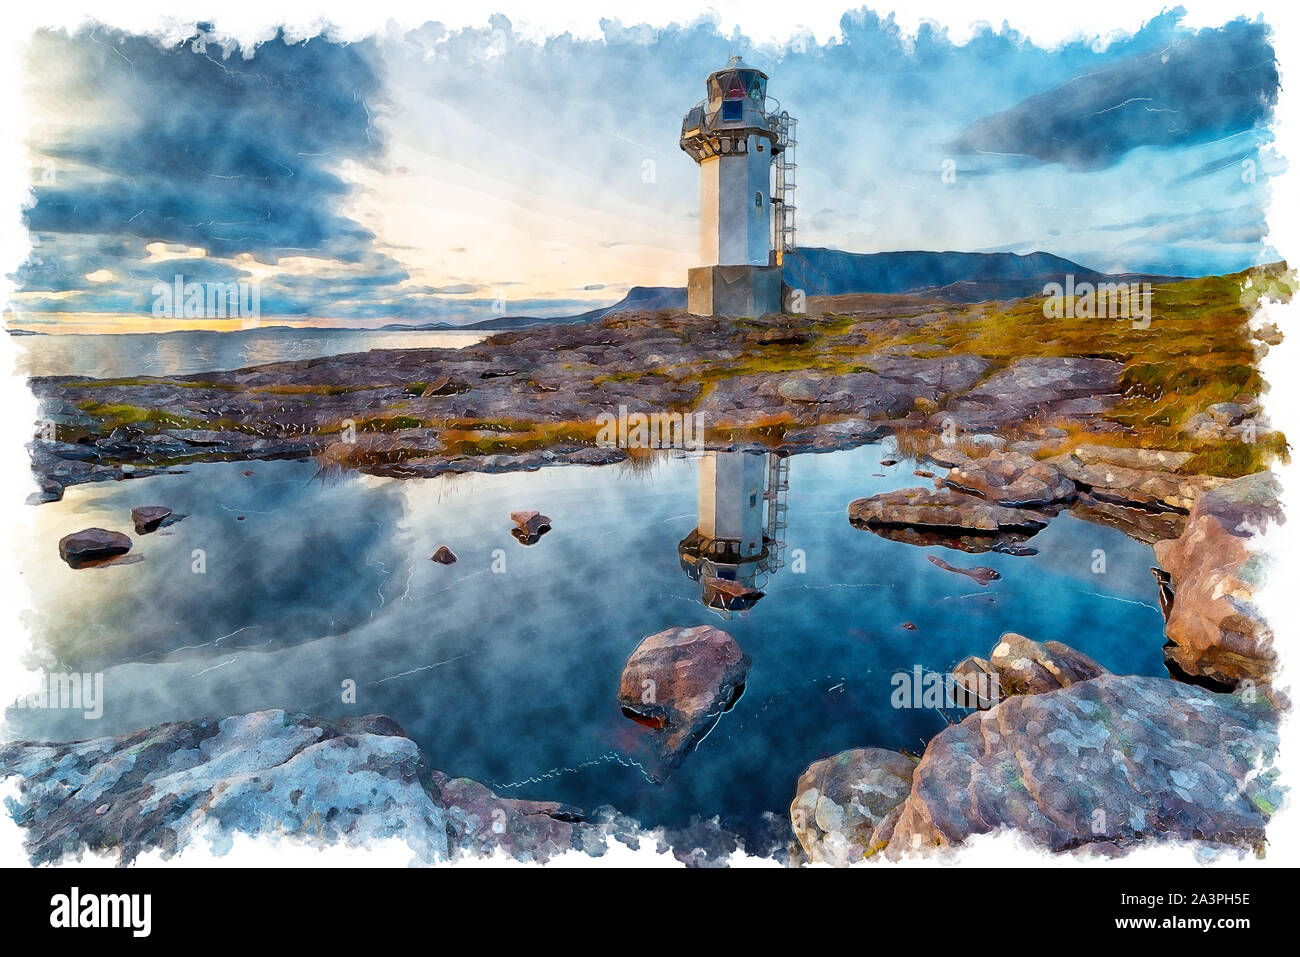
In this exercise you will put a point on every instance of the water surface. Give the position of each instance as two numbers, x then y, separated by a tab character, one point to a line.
510	676
194	351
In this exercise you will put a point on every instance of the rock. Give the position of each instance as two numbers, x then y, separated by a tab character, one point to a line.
978	684
979	573
948	456
196	783
480	823
841	802
1012	548
1114	761
986	440
443	556
1232	413
1010	478
1025	666
1036	387
803	389
529	526
941	509
909	626
274	775
1139	523
780	337
1153	489
1159	459
92	546
679	682
923	473
729	595
148	518
1214	629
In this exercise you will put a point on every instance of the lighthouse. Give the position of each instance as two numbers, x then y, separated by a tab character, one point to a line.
739	540
745	224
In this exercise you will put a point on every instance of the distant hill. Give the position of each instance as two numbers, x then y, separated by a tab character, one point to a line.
952	276
638	299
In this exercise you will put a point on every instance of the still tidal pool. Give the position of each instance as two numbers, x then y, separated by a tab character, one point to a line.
280	585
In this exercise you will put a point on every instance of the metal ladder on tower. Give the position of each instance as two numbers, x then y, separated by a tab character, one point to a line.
783	226
776	493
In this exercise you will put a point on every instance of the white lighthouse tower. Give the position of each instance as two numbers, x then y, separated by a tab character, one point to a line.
744	227
739	540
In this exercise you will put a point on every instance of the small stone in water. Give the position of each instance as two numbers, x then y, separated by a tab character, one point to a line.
148	518
443	556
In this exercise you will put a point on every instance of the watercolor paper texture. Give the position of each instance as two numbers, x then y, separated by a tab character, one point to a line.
490	443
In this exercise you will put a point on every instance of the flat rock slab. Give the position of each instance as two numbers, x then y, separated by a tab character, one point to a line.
1011	478
1116	760
1155	489
1158	459
942	509
1036	387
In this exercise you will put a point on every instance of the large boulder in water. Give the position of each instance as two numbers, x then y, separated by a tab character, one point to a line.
842	805
92	546
1116	760
679	682
1215	630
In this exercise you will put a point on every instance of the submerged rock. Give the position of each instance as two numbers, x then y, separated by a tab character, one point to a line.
979	574
1215	631
92	546
842	806
679	682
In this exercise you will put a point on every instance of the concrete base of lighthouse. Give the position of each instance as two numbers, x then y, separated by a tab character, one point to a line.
734	291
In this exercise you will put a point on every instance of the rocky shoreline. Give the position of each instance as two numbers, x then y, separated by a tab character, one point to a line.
529	398
1055	748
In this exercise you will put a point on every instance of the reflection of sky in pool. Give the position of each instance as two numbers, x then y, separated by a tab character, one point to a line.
511	678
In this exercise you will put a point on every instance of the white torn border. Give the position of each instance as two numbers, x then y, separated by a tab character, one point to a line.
767	21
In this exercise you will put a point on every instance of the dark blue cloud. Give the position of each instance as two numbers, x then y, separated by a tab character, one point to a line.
230	154
1199	88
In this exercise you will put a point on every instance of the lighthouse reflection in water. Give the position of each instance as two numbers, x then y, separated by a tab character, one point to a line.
739	541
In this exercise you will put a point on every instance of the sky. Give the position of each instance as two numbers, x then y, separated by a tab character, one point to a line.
452	175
